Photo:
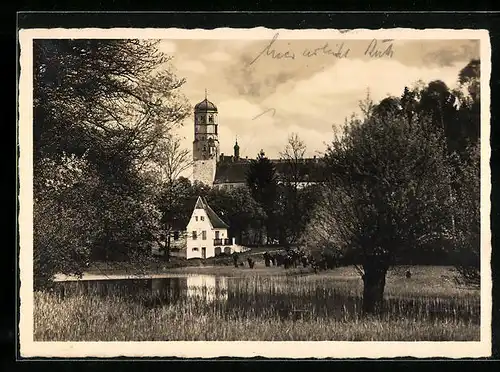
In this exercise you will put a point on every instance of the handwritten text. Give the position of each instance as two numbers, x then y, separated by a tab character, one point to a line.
374	49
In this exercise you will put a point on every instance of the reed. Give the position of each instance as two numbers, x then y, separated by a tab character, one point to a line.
265	308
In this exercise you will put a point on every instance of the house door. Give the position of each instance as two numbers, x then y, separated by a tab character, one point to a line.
203	253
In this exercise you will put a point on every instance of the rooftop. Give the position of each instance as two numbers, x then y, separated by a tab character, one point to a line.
215	220
232	170
205	106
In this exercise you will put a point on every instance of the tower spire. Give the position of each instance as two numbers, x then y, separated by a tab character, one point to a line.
236	149
206	93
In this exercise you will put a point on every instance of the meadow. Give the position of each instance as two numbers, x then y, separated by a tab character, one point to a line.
269	304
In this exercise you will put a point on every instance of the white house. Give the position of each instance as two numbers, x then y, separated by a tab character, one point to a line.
207	234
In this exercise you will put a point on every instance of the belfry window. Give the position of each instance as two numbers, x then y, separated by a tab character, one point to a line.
211	119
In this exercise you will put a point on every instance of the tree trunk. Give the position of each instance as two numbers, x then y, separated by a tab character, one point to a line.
373	290
167	247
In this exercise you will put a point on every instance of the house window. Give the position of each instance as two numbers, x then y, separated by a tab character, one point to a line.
203	235
176	235
196	218
202	218
195	236
195	249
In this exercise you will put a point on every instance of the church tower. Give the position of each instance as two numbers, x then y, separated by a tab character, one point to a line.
236	150
206	141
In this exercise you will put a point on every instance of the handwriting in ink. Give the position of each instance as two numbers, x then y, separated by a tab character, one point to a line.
270	51
340	52
265	112
379	50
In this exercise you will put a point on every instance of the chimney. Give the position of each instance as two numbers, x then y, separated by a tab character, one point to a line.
234	240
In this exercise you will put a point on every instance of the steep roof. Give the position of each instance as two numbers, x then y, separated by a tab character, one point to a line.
311	170
232	172
215	220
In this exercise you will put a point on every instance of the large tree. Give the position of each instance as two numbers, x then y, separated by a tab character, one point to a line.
109	103
263	184
388	194
239	210
294	201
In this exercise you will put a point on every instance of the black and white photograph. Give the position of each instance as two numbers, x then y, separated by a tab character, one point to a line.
247	187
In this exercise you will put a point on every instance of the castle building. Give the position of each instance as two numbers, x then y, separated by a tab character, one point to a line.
229	171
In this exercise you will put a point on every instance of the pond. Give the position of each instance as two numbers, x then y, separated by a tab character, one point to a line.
284	297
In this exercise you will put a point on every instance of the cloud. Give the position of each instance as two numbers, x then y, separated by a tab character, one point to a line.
217	57
191	66
451	54
167	46
239	108
309	95
332	94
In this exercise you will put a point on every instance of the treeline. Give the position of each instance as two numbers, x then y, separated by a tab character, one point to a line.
404	182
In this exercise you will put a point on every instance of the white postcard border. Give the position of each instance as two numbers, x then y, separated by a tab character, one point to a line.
206	349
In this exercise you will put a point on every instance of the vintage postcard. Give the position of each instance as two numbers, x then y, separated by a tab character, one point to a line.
268	192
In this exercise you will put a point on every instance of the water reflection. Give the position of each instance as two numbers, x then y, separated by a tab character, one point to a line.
169	290
284	297
207	287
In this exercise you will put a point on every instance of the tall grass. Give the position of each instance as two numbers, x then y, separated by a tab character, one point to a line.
312	307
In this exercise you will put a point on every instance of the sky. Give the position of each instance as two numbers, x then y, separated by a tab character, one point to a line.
262	98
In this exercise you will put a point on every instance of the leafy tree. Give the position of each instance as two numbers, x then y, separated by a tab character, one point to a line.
238	209
112	103
456	112
107	91
67	223
466	242
263	184
387	195
469	78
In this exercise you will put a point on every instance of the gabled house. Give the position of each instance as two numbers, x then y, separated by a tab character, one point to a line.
207	234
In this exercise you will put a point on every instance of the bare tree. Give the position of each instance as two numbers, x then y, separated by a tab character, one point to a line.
292	196
293	157
367	105
171	160
163	172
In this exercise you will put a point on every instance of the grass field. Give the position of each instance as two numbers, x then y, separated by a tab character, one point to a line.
262	305
265	304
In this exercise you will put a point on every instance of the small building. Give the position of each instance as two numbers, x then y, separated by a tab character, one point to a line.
207	234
